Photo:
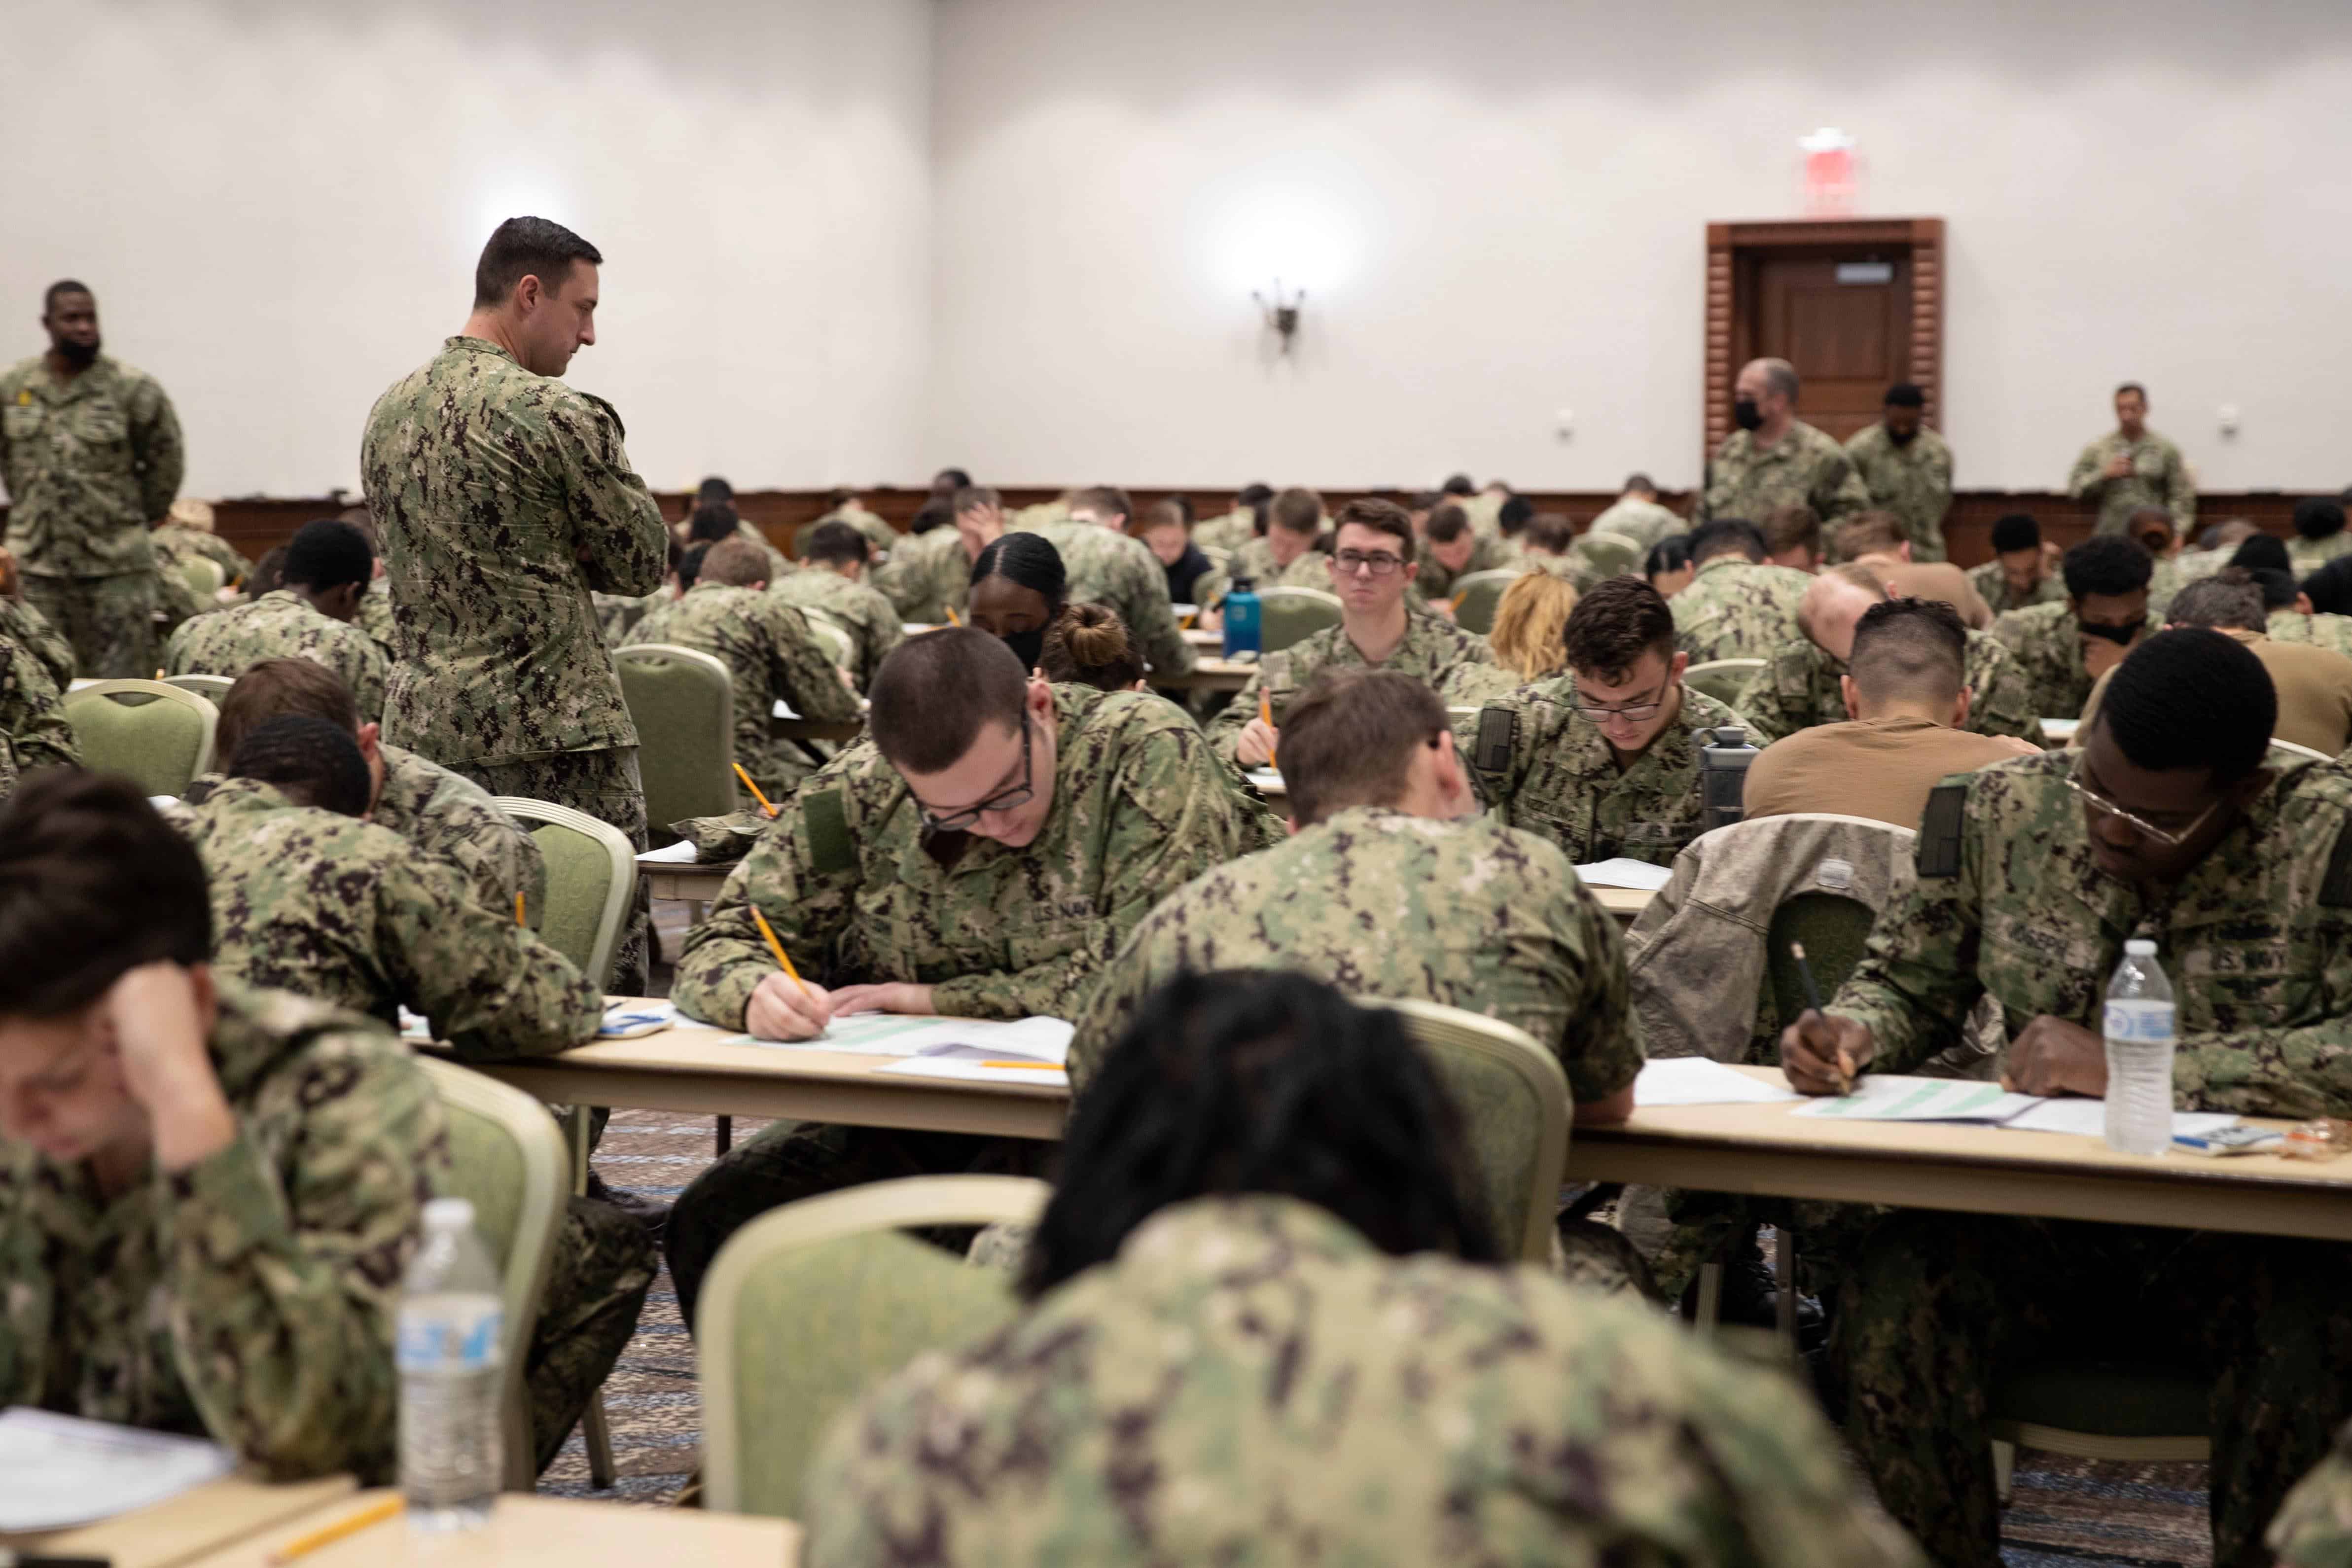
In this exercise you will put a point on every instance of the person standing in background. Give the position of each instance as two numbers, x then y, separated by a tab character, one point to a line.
2132	466
91	452
1775	458
1907	468
505	498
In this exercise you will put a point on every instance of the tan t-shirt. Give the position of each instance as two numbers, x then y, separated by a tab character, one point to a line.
1879	768
1933	580
2314	686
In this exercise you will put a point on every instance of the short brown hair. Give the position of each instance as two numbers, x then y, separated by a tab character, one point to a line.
1869	533
935	691
1108	499
1381	516
736	562
529	248
280	688
2229	598
1160	514
1909	649
1549	532
1349	738
1088	644
970	498
1297	511
1614	625
1446	524
1792	527
1530	624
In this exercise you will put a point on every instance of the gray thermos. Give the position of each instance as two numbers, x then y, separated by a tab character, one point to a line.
1723	774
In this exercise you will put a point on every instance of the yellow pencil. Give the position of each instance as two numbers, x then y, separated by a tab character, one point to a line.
777	948
1266	713
519	920
1027	1067
754	789
350	1524
953	616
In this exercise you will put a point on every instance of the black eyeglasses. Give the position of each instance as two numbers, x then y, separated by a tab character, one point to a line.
1018	794
1379	562
1632	712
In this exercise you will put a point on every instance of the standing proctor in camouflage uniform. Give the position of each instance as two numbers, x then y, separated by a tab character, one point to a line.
1775	460
22	624
505	498
1108	803
2132	466
1907	468
308	899
2063	648
1798	687
1738	606
1636	515
831	580
1603	761
209	1238
328	568
769	652
91	452
2032	876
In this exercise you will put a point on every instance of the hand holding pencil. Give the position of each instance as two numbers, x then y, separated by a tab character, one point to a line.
784	1006
1820	1052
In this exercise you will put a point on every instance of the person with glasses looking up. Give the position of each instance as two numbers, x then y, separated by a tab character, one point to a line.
2171	823
1603	761
980	855
1372	569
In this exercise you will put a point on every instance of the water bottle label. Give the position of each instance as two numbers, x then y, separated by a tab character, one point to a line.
446	1341
2146	1023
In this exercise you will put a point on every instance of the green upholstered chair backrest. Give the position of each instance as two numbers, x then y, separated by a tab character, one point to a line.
157	735
1723	678
682	702
1609	554
1477	596
1513	1101
203	576
211	688
591	876
1287	616
1834	929
506	1158
811	1304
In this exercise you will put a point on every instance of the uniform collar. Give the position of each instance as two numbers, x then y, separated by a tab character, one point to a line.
241	797
1230	1239
462	344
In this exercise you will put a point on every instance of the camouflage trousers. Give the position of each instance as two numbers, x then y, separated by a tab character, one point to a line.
606	785
596	1281
1941	1306
110	621
786	1161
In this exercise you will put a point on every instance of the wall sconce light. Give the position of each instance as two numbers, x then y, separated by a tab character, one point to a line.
1281	316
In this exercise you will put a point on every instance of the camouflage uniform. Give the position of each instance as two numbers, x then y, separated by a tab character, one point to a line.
2331	632
2048	649
928	574
2257	940
1252	1382
846	881
770	653
1228	531
89	465
617	615
1737	608
1798	687
1914	482
1109	568
280	624
32	718
2305	556
872	621
1489	553
1643	522
877	529
22	624
1433	648
504	499
1994	587
250	1297
2314	1529
1804	467
174	543
1558	780
339	911
375	619
2160	477
1310	568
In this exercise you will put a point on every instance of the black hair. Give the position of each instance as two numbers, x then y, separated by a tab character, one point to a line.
2014	531
2316	516
1909	648
1458	485
1261	1082
268	573
2262	551
836	542
1726	536
2132	386
527	247
2276	583
2330	588
1513	515
937	512
1903	395
2191	699
712	522
1254	495
326	554
62	285
713	489
1029	561
2108	565
690	566
1671	553
2229	598
1641	482
93	883
947	481
311	763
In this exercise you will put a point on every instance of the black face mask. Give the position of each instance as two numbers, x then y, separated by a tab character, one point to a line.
1746	415
1027	647
1901	438
2119	634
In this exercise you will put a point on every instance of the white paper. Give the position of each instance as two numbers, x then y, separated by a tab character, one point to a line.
1624	873
783	710
678	854
160	801
2060	729
1268	780
631	1020
2088	1118
900	1034
973	1072
1183	610
1895	1097
60	1470
1702	1080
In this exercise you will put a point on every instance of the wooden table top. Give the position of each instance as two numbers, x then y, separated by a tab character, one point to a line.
204	1519
527	1532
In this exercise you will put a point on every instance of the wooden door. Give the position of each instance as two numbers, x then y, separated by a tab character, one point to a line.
1843	322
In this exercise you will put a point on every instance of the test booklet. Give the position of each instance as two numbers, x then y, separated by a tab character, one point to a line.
1046	1041
1702	1080
1623	873
1893	1097
56	1471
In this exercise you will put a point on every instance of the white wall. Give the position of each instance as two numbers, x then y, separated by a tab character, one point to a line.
1499	206
279	202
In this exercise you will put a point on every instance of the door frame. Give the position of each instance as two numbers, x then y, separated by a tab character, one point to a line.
1729	243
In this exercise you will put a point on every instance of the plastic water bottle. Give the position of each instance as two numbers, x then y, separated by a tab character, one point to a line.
2139	1054
1241	617
451	1462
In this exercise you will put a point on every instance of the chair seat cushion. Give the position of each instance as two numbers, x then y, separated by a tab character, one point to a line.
2110	1398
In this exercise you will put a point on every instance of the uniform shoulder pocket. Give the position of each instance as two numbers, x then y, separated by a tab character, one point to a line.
824	819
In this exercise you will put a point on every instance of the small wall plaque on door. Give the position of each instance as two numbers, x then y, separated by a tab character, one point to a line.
1865	272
